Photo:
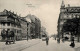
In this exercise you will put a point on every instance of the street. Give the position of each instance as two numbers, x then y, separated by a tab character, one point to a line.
19	45
39	45
53	46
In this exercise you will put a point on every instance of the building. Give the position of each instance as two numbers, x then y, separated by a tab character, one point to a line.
20	25
35	26
67	12
23	23
29	30
9	20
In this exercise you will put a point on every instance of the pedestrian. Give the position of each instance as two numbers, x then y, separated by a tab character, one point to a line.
3	34
72	42
58	40
8	36
12	36
47	39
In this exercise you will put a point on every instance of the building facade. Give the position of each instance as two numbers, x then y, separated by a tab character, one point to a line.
20	26
9	20
66	12
23	23
28	30
35	26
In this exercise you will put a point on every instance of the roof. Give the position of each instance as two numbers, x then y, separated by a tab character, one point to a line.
32	17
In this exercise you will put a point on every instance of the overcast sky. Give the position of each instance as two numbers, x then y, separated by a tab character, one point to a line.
46	10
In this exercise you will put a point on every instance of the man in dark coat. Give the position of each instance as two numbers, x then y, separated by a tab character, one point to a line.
47	39
8	36
72	42
3	34
12	36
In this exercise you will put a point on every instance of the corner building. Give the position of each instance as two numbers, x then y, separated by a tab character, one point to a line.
66	12
9	20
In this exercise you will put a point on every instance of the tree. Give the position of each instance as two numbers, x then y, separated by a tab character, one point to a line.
72	26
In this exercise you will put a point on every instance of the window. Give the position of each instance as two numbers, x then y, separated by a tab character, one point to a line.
27	29
61	22
8	24
67	10
27	24
70	16
67	15
3	24
17	31
74	16
27	32
12	25
76	10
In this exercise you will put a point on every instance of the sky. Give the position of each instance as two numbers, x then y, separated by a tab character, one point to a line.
46	10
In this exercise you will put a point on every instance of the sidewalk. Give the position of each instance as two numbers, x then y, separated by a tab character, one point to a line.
19	45
77	45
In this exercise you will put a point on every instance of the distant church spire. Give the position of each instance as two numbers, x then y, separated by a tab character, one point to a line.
62	5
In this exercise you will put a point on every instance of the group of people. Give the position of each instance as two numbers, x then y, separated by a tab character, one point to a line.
8	36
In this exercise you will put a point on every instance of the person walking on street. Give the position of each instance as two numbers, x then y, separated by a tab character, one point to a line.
72	42
12	36
8	36
58	40
3	34
47	39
